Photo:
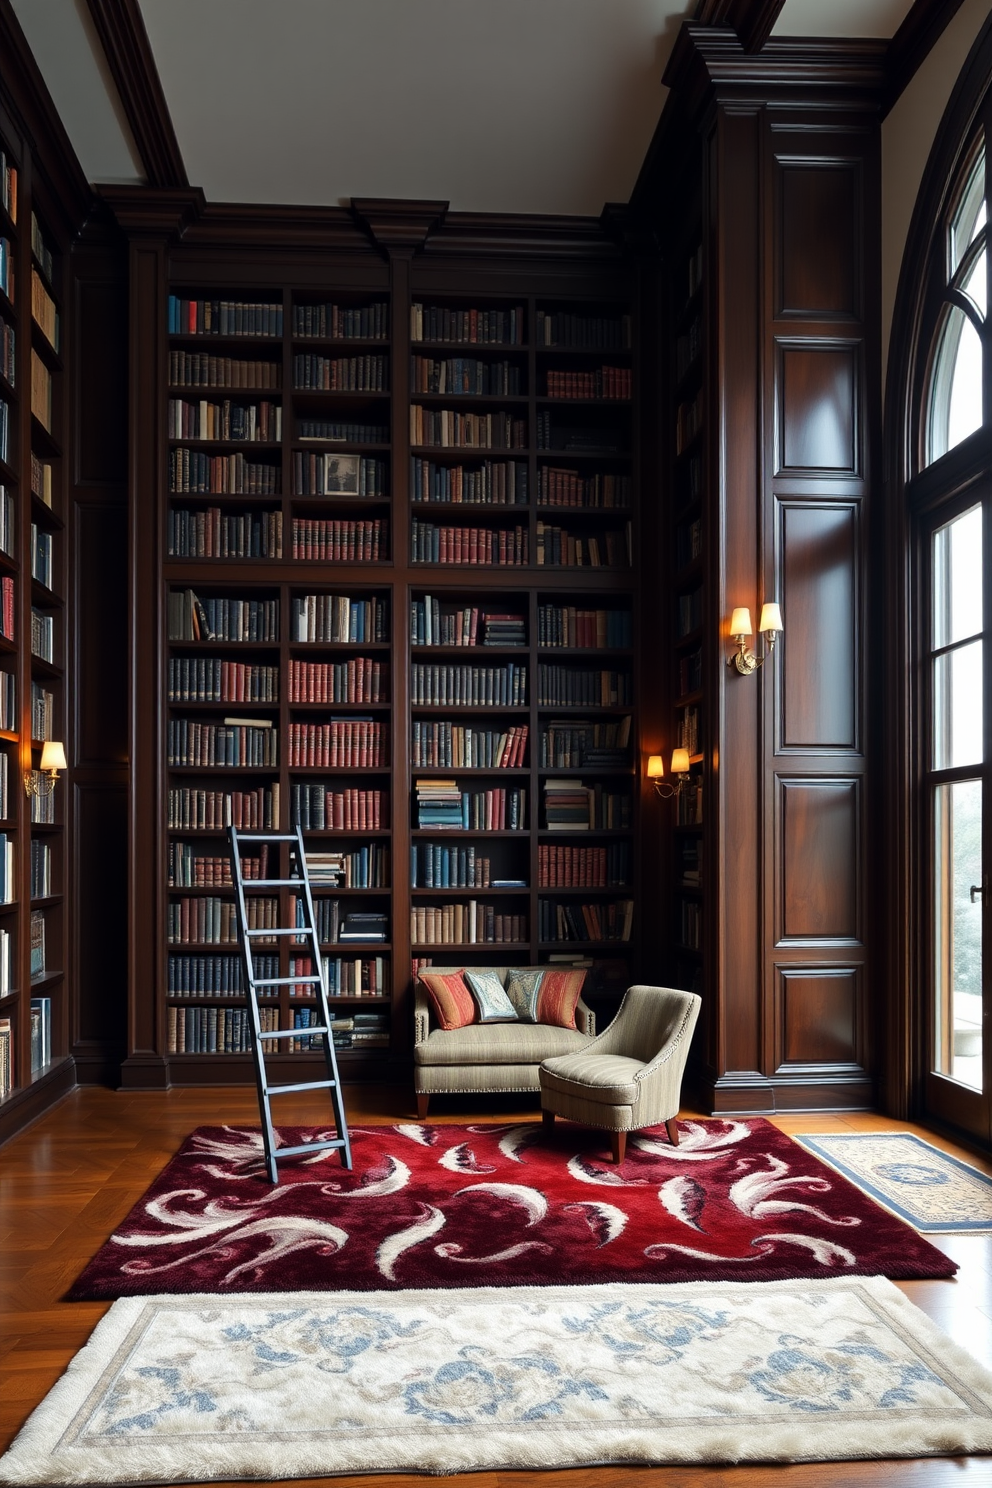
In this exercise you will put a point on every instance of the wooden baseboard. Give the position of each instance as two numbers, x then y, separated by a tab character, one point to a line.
25	1106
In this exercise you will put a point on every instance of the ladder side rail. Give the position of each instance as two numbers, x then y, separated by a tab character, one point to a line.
251	998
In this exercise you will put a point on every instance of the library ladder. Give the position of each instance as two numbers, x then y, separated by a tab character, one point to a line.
304	933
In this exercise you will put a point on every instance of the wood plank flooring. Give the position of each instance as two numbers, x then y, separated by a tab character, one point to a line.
71	1177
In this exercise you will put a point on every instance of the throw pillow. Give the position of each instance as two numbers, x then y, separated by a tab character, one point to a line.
452	1001
490	997
522	989
557	998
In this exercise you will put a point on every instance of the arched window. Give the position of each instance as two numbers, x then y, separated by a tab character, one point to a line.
954	394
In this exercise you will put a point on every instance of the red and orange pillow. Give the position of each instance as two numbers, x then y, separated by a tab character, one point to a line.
453	1003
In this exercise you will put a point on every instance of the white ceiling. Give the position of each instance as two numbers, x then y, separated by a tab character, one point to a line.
494	105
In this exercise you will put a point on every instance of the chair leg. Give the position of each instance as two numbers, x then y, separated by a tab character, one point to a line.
423	1101
618	1141
547	1118
672	1128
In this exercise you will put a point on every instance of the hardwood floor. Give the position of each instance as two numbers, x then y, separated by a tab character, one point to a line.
71	1177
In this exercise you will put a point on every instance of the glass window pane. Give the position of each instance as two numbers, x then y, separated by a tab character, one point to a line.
957	707
975	284
956	389
958	932
957	579
969	217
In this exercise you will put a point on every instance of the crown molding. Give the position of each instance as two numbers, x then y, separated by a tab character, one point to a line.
396	225
145	212
753	20
121	29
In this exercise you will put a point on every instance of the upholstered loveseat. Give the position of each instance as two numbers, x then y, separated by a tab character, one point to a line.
487	1058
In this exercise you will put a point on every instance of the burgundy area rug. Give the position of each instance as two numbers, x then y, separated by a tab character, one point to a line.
510	1205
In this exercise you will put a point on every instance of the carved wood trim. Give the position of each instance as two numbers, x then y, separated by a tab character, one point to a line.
753	20
125	43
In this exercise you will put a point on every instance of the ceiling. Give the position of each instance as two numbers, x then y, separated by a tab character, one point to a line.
541	106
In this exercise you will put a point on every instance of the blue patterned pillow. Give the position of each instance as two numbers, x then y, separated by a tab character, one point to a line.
523	990
490	998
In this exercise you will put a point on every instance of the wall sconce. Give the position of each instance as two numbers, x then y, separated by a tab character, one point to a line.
53	760
770	625
666	789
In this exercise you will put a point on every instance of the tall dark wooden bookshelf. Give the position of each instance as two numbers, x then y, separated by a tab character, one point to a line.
476	402
36	1019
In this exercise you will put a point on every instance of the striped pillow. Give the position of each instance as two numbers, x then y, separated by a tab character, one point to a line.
451	1000
557	997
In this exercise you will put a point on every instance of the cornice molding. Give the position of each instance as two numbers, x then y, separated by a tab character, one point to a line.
523	236
398	226
125	43
753	20
709	64
27	97
145	212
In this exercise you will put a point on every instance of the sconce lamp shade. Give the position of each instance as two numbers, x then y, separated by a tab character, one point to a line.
740	622
680	761
656	767
53	755
771	618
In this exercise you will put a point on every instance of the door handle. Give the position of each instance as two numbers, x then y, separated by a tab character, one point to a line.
975	889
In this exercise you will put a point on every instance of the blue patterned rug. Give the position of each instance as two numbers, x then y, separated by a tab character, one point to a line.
276	1385
935	1192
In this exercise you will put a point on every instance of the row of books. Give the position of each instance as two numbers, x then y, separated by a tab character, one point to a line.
460	626
467	922
42	634
340	619
691	671
329	322
338	475
579	438
356	374
583	867
211	679
690	611
449	428
558	487
600	382
589	630
215	534
583	332
8	352
445	745
687	729
346	1033
4	429
690	923
42	707
568	686
9	712
360	680
37	935
688	421
465	375
442	805
317	808
208	920
478	325
192	473
240	374
340	541
189	809
342	744
41	555
570	806
6	950
689	803
7	607
223	317
249	422
690	865
343	431
7	274
6	1058
8	185
5	801
214	1030
41	392
568	744
493	483
688	479
40	1013
40	868
42	803
222	746
483	546
8	532
365	867
559	547
455	685
214	976
434	866
607	920
221	619
344	976
44	312
189	869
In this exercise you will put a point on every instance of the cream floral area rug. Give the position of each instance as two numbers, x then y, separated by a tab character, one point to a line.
183	1388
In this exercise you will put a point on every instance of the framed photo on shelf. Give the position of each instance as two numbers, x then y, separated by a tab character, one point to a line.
341	476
